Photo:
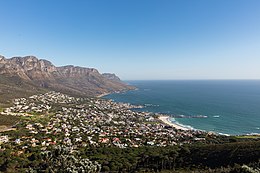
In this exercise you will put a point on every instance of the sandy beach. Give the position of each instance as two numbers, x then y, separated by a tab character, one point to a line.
102	95
166	120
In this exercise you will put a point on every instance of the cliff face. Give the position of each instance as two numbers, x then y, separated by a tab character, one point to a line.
42	74
111	76
27	68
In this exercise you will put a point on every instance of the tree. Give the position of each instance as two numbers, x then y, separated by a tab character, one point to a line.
62	159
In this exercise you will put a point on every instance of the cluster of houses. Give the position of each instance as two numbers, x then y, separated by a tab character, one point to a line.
79	122
4	139
41	103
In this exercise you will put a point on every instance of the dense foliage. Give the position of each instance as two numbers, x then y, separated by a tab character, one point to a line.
189	157
227	157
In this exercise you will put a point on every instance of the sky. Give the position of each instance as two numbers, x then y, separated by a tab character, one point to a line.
138	39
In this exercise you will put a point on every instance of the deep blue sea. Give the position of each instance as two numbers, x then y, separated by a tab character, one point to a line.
231	106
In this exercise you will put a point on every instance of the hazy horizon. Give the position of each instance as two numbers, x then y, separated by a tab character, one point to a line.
139	40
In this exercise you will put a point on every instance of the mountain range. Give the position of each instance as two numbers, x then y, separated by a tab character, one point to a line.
22	76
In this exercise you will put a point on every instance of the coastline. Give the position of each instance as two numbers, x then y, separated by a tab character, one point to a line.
102	95
166	120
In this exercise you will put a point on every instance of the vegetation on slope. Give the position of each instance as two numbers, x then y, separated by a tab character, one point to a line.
226	157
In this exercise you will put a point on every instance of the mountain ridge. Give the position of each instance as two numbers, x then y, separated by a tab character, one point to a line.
40	74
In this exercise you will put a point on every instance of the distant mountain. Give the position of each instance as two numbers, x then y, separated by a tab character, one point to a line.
111	76
26	75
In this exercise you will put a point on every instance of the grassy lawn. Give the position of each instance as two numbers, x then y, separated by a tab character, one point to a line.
36	118
8	120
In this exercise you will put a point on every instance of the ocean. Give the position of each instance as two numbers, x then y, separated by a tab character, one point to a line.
222	106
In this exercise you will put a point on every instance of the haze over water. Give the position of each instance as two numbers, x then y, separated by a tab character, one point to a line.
231	106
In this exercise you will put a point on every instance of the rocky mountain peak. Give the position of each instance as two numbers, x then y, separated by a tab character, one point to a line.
2	58
111	76
76	71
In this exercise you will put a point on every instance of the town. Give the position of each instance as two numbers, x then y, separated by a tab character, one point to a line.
54	132
57	119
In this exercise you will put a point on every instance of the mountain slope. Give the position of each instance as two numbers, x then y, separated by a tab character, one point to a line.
27	75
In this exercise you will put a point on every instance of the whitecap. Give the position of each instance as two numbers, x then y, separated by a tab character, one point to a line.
201	116
224	134
182	125
253	134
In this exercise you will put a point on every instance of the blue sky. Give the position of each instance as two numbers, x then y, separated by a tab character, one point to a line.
138	39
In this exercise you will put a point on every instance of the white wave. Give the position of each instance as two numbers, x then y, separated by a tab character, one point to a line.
182	125
150	105
224	134
253	134
192	116
200	116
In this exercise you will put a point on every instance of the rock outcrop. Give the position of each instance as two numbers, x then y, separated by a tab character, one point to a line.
111	76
